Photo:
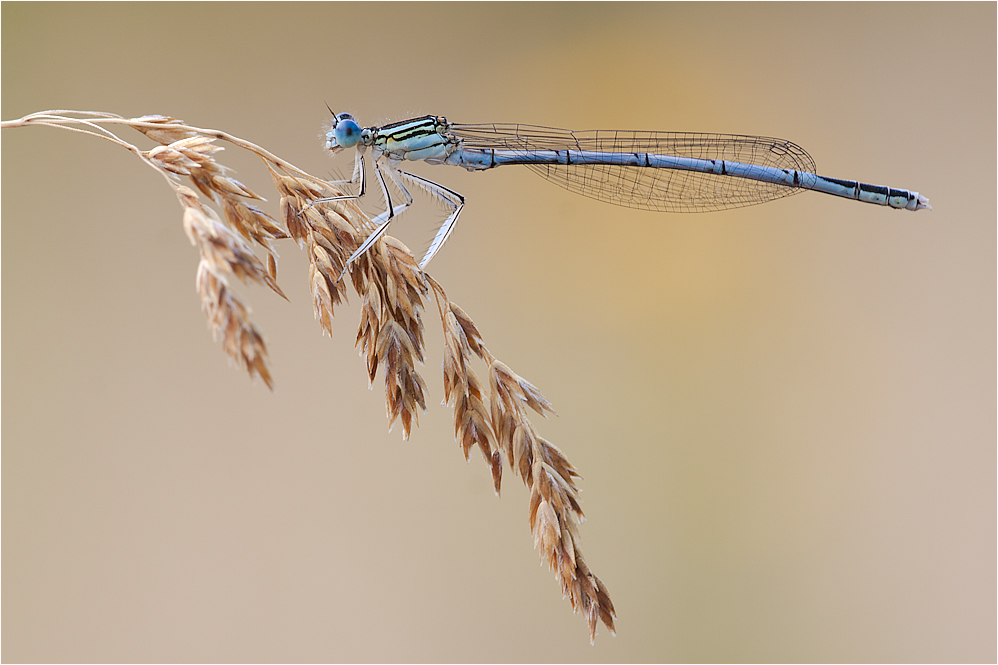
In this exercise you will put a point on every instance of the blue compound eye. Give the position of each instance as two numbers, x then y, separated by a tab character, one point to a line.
346	132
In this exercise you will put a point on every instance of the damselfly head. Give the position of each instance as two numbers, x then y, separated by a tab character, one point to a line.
346	133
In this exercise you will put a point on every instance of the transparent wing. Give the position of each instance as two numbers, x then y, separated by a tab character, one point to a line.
659	189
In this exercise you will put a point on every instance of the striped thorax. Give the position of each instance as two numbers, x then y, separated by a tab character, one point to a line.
418	139
414	140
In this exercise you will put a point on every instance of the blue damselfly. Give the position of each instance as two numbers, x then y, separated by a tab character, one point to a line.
661	171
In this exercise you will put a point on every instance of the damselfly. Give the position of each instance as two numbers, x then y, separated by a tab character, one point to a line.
663	171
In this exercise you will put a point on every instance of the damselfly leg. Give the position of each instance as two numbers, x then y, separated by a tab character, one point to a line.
450	198
359	175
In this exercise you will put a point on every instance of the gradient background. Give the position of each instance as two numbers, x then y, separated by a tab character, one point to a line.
785	415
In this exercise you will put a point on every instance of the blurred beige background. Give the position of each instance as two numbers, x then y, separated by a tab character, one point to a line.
784	415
